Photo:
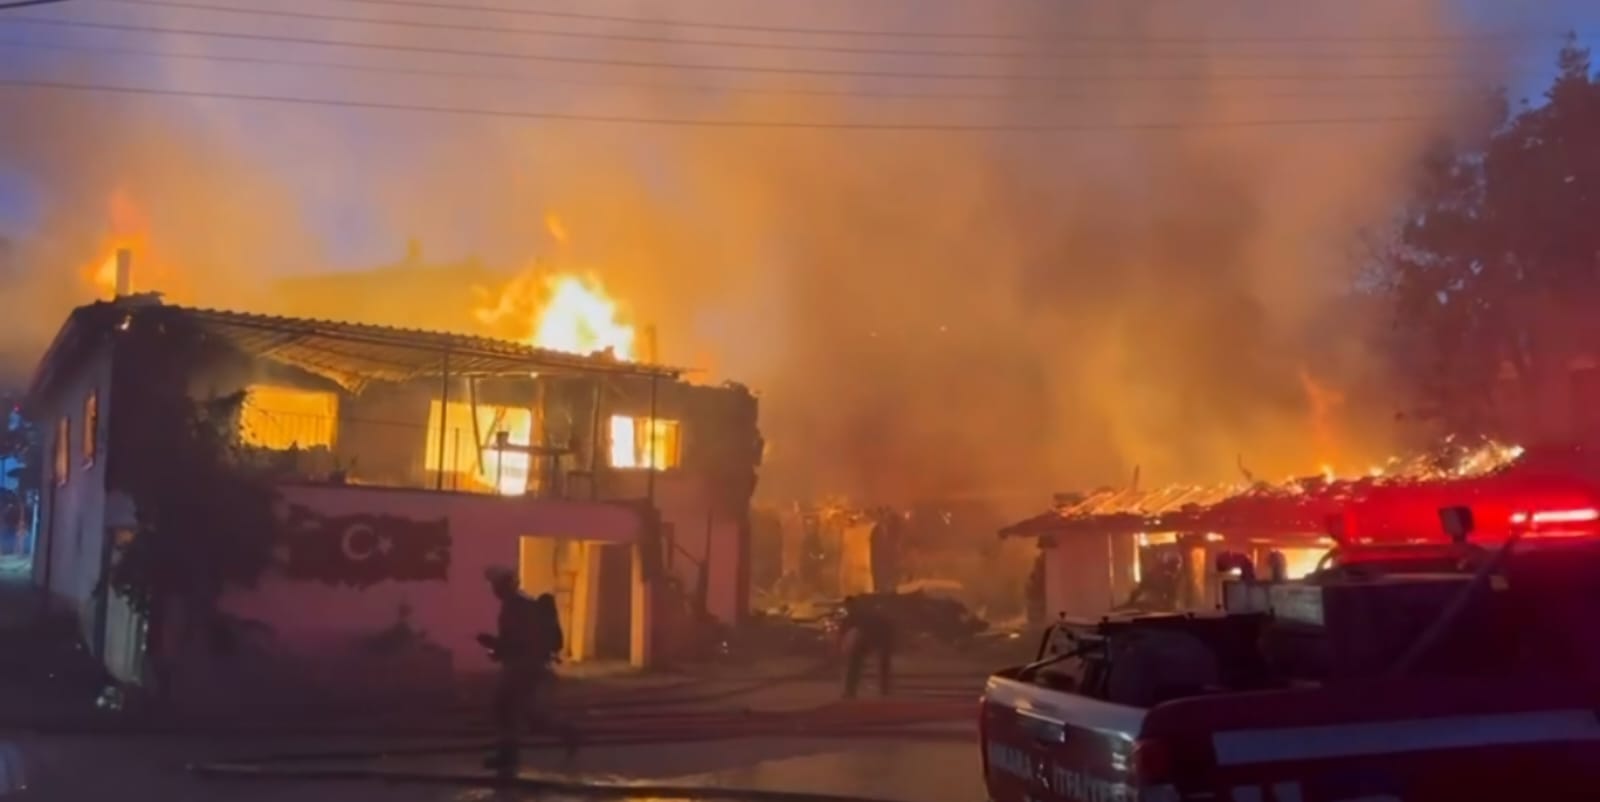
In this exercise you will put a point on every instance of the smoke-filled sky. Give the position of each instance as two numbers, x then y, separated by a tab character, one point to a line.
956	307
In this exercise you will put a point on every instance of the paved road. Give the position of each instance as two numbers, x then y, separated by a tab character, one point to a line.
908	768
923	761
137	770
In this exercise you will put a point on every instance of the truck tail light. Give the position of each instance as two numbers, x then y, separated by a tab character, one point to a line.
1151	763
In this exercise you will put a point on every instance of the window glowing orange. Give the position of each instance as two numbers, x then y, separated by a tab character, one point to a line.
91	426
635	443
62	451
282	418
481	464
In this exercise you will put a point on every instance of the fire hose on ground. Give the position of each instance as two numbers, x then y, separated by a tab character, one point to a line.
834	721
456	719
607	790
866	721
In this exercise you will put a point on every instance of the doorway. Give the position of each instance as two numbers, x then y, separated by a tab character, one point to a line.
592	585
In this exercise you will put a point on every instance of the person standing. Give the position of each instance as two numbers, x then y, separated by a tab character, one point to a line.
524	656
866	631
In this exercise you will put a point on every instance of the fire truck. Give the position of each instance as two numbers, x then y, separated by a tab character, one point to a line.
1444	649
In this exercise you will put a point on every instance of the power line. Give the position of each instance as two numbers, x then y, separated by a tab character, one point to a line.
26	3
1050	37
863	93
680	122
735	68
767	46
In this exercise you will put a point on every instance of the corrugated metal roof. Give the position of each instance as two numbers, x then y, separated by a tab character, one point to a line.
355	353
351	354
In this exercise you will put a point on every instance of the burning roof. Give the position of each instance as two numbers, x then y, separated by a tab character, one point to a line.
350	354
1295	506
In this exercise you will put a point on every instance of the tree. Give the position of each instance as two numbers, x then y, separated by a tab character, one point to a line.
19	472
1499	254
205	515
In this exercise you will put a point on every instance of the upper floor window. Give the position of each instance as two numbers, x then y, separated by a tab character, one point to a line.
62	451
645	443
282	418
483	447
91	427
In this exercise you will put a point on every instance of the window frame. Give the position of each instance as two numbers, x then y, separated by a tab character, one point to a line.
61	452
90	446
643	449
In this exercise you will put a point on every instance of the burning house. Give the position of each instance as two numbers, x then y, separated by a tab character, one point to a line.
834	549
404	463
1158	549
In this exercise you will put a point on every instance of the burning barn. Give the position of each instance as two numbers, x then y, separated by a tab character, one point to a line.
404	463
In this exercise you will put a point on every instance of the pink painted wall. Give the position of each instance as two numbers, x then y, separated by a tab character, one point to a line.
313	618
684	502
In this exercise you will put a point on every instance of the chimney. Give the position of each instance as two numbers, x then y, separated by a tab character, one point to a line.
647	345
124	272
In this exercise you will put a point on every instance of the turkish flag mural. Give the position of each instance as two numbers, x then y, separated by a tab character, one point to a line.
363	550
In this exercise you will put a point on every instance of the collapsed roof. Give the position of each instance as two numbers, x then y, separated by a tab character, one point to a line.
1305	506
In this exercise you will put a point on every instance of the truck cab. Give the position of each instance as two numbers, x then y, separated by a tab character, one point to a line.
1341	686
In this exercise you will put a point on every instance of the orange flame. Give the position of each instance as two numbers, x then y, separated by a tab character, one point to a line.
1324	405
581	318
554	225
561	311
127	227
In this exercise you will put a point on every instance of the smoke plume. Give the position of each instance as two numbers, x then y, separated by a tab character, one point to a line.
983	312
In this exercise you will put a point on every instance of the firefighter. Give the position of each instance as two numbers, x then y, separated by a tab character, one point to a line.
866	631
526	644
1034	592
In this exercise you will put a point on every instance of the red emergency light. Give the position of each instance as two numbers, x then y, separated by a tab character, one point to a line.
1578	522
1537	503
1541	517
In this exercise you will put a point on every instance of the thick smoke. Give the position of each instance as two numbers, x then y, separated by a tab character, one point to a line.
981	313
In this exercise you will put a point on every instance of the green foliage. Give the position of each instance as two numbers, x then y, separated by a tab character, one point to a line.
205	518
1501	247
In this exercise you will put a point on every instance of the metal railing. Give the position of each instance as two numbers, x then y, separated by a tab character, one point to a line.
387	453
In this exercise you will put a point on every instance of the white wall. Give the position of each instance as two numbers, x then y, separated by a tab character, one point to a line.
69	555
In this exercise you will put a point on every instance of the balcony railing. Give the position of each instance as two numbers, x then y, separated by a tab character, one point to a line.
388	453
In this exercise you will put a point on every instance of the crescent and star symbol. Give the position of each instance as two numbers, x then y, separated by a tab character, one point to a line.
360	541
